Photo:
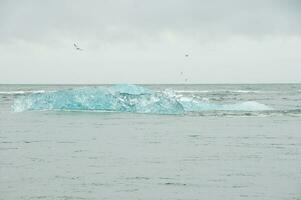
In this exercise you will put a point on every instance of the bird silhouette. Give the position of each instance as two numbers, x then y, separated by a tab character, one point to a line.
77	48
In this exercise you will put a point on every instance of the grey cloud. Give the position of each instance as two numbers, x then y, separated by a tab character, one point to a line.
134	19
144	41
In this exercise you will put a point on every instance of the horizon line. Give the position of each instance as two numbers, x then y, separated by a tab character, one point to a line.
264	83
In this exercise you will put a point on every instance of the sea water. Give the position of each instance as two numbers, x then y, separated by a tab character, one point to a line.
150	142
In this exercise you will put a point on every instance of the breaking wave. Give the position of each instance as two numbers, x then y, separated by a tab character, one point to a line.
217	91
21	92
124	98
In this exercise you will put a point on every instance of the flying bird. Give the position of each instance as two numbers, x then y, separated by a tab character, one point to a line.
77	48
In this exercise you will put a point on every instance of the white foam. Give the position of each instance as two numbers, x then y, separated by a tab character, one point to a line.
192	91
216	91
23	92
244	91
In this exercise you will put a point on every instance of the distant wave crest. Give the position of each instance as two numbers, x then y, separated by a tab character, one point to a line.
217	91
124	98
21	92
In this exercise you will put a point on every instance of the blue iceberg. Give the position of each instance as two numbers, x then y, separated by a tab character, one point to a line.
119	98
122	98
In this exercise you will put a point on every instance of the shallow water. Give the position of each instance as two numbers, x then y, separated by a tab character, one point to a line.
200	155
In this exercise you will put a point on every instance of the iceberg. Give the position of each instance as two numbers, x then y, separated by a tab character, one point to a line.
123	98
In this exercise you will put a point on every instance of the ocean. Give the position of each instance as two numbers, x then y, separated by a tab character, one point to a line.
149	142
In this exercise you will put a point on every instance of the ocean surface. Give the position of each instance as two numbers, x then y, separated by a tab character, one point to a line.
169	142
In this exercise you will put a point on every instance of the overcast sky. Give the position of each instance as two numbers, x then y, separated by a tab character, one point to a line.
145	41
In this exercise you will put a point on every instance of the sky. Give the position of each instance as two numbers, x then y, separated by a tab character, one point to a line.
145	41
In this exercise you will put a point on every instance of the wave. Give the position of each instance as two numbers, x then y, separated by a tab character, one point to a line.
217	91
22	92
192	91
266	113
124	98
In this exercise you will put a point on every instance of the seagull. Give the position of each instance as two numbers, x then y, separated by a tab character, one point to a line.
77	48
